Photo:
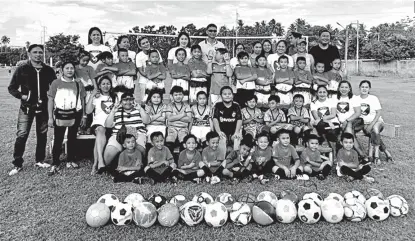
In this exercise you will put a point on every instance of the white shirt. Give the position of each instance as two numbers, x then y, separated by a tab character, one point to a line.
141	61
345	107
324	108
307	57
131	55
102	107
95	51
369	106
206	47
172	54
272	58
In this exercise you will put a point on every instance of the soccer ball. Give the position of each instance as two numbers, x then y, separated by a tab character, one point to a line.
203	198
355	194
109	199
145	214
168	215
178	200
398	205
370	192
97	215
192	213
377	208
247	198
354	210
226	199
309	211
313	196
157	200
216	214
332	210
134	199
336	197
263	213
289	195
122	214
240	213
267	196
286	211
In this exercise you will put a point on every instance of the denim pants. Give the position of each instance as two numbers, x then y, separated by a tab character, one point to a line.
24	124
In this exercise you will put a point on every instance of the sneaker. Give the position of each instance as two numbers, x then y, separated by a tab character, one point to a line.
196	180
368	179
41	165
137	180
264	181
214	180
255	175
53	170
339	174
207	179
303	177
71	165
174	180
15	170
277	177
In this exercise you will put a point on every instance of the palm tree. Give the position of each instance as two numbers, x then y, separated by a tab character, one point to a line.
5	40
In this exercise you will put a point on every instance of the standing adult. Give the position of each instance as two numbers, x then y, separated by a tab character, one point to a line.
30	83
239	47
123	42
210	43
266	48
324	52
280	51
293	39
95	46
183	41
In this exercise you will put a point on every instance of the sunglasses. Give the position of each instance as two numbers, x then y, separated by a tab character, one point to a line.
212	31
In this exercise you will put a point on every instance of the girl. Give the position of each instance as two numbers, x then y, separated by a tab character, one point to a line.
334	76
198	67
263	81
183	41
155	108
266	48
180	72
95	46
125	75
234	61
65	94
280	51
302	52
100	104
124	43
256	51
202	122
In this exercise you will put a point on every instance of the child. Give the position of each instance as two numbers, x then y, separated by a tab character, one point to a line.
180	72
106	67
155	73
284	80
198	67
202	122
313	162
125	75
263	81
179	115
275	118
220	72
237	165
130	162
156	110
302	52
262	158
348	161
335	76
252	117
160	160
189	159
286	159
245	79
320	77
211	158
299	117
303	81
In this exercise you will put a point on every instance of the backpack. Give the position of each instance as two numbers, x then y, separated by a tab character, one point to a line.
67	118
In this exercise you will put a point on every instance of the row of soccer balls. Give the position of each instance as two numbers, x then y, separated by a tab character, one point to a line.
264	209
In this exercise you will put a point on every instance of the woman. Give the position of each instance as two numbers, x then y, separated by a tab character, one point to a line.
373	123
281	49
234	61
183	41
95	46
256	51
65	95
124	43
266	48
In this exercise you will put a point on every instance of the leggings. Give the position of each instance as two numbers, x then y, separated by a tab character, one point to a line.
355	174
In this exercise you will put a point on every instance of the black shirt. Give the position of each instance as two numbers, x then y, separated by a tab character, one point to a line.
325	55
227	117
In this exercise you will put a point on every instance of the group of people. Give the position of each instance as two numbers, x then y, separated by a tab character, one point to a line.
243	117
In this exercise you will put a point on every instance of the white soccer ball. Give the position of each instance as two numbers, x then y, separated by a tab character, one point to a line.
145	215
377	208
267	196
286	211
398	205
354	210
216	214
309	211
178	200
226	199
122	214
134	199
336	197
240	213
192	213
332	210
203	198
314	196
355	194
109	199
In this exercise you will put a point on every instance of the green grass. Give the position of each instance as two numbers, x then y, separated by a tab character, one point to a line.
34	206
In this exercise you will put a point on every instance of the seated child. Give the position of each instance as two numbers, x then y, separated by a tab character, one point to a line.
334	76
315	164
320	77
106	67
245	79
275	118
220	72
284	80
238	162
155	72
126	73
180	73
299	117
286	159
160	162
211	158
263	81
198	81
130	162
202	121
252	117
262	158
303	81
348	161
156	111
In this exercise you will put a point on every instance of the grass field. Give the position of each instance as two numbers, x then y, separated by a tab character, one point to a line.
34	206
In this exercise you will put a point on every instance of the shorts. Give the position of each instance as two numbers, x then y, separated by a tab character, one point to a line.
214	99
253	130
262	98
174	133
141	140
285	99
142	80
200	132
153	128
108	131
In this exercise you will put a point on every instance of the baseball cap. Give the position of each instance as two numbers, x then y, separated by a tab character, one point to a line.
127	96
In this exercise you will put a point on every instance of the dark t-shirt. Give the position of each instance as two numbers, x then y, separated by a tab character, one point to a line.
227	117
325	55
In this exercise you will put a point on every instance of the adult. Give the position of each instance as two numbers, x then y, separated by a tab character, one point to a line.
293	39
30	84
325	52
302	52
95	46
280	51
234	61
123	42
256	51
267	48
210	43
183	41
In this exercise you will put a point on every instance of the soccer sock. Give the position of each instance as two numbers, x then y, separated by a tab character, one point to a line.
365	170
151	173
207	171
190	176
166	173
219	171
280	172
349	172
326	170
298	172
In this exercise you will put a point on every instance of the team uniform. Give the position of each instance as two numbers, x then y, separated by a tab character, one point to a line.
308	60
334	79
263	92
142	61
86	75
184	160
278	115
252	128
324	109
209	155
302	85
156	156
262	162
218	80
181	70
129	167
131	56
285	156
351	159
315	156
94	51
345	107
124	83
155	125
284	81
368	107
303	112
177	129
247	89
154	83
227	117
201	121
316	82
198	81
238	164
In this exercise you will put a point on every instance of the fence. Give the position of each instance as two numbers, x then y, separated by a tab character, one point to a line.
370	66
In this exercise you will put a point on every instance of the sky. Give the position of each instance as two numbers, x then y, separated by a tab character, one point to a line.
22	20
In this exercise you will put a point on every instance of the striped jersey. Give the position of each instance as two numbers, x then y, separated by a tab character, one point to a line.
154	110
132	118
175	109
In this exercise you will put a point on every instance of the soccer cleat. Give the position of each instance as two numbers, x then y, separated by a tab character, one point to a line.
42	165
15	170
71	165
207	179
137	180
303	177
214	180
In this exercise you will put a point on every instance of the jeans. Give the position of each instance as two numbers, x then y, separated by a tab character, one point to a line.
24	124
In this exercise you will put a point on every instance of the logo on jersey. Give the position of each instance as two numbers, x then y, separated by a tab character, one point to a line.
343	107
233	114
221	119
323	111
94	56
106	106
365	108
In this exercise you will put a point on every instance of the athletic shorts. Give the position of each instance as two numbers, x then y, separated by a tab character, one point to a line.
200	132
174	133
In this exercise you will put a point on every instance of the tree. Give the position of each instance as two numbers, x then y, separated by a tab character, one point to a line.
5	40
63	47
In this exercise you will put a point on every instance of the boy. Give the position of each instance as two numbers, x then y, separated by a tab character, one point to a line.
299	117
211	160
284	80
180	72
237	163
198	67
252	117
125	74
303	81
264	81
130	162
335	75
179	115
220	72
106	67
348	161
202	121
286	159
302	52
262	158
313	162
160	162
155	73
245	79
320	77
275	118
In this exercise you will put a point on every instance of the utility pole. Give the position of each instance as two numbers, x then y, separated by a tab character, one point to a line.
357	47
44	44
346	49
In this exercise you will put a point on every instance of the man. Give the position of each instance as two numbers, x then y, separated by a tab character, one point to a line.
293	39
33	79
210	43
324	51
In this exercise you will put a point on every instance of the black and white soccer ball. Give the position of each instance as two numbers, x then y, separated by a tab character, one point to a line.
157	200
355	194
203	199
336	197
377	208
226	199
354	210
122	214
286	211
178	200
109	199
332	210
314	196
309	211
398	205
216	214
240	213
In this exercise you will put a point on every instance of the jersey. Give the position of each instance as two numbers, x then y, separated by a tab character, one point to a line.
181	70
219	78
244	72
302	77
94	51
130	161
174	109
236	158
247	114
154	110
227	117
324	108
261	157
350	157
368	107
275	115
266	74
184	160
102	107
285	155
284	77
86	75
317	82
210	155
345	107
159	155
124	80
201	116
303	112
198	68
313	156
